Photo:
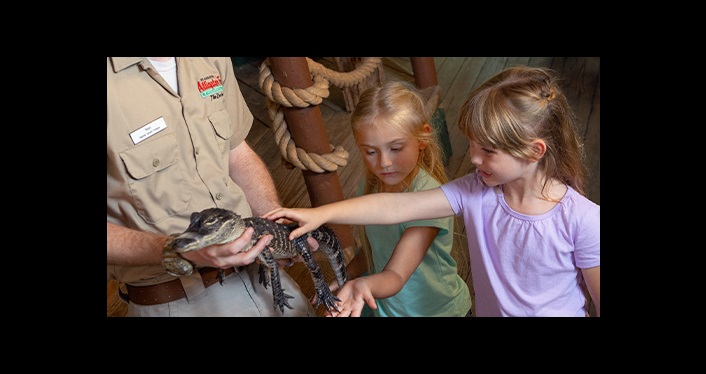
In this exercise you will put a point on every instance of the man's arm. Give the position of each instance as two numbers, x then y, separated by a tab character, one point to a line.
250	173
133	248
129	247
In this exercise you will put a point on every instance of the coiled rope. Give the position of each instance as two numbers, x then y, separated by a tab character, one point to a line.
278	96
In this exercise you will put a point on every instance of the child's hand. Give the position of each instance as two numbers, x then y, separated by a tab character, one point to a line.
354	295
304	216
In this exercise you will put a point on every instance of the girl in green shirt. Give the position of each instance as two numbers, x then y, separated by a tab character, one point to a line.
411	270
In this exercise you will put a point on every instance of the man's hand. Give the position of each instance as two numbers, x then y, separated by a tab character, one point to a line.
230	254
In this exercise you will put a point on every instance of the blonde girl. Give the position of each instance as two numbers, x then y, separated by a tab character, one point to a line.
412	272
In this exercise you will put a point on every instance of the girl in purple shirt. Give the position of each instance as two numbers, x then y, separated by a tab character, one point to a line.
533	236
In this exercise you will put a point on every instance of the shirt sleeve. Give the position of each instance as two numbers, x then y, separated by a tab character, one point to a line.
460	189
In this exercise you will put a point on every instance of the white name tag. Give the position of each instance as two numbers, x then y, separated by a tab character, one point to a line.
148	130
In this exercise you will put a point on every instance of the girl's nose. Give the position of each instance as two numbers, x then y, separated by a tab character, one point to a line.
473	156
476	155
385	160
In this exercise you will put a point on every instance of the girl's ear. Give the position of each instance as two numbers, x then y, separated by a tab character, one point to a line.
539	148
426	128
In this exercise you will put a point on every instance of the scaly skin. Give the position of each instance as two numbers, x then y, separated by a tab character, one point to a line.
220	226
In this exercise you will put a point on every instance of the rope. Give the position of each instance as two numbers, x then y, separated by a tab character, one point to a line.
278	96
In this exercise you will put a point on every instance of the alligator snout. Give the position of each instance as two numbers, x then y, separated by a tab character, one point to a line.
186	242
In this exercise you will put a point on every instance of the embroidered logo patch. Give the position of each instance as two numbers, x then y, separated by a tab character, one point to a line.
210	86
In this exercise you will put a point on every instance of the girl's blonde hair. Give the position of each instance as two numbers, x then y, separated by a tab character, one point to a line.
399	106
521	104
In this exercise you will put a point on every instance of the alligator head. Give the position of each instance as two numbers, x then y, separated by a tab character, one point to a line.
209	227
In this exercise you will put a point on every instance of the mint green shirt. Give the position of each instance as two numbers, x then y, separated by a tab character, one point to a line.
435	289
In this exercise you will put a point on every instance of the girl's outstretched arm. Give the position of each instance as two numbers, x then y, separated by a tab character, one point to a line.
373	209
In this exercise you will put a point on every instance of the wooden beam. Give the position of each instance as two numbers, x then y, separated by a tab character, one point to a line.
424	72
306	126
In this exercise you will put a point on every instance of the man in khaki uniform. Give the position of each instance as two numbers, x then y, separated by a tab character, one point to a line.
175	144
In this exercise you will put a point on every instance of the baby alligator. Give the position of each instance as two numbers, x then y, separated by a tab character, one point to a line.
219	226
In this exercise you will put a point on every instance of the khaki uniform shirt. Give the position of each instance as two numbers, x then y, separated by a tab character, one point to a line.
167	152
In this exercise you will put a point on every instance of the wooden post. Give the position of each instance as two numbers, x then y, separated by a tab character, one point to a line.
306	125
424	72
351	95
425	79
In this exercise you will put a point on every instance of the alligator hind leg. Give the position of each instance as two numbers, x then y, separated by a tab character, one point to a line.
325	296
278	295
328	243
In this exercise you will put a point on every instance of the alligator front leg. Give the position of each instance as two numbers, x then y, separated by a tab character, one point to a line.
280	298
324	294
173	263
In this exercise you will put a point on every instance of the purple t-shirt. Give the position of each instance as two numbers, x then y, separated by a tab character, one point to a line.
526	265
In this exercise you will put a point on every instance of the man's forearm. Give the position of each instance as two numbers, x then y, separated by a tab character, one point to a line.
133	248
250	173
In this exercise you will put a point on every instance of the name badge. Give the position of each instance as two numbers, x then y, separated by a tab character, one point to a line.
148	130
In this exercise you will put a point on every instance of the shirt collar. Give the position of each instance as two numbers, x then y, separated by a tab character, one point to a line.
120	63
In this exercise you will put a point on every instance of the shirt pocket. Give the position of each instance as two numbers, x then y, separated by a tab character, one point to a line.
155	178
220	120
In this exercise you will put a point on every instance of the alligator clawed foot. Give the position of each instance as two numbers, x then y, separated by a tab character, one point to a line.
327	298
281	301
175	265
172	262
264	278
